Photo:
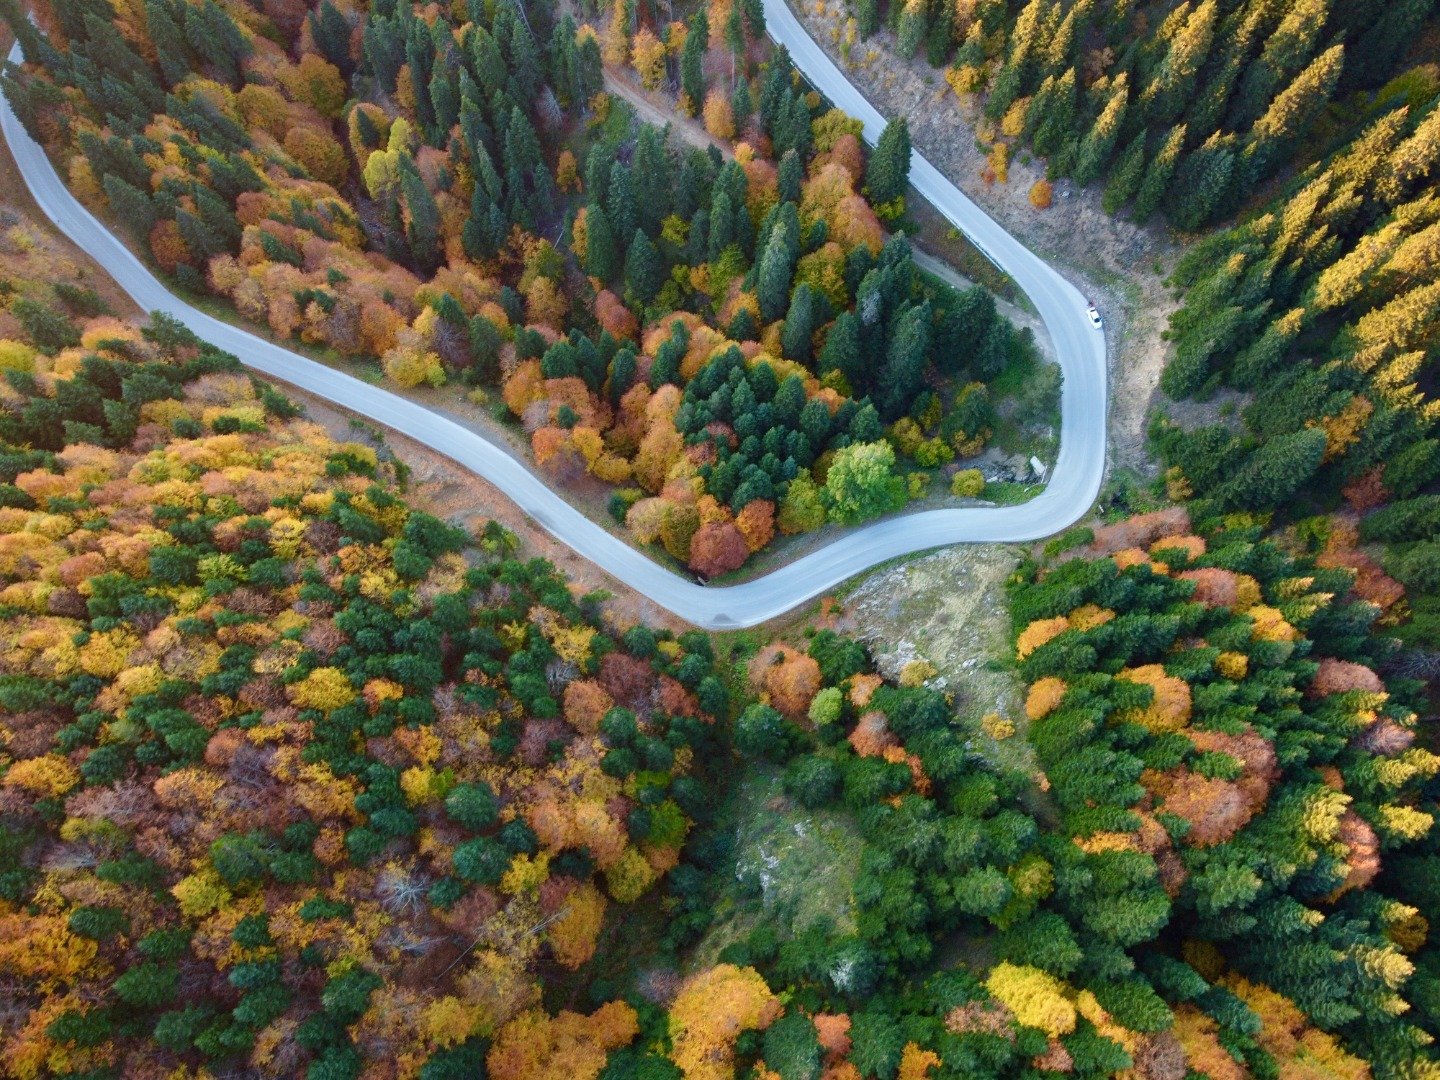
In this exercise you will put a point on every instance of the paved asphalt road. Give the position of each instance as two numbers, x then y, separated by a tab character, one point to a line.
1074	483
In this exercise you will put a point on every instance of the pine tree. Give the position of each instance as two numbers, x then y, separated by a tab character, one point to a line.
131	205
1373	57
1291	113
1286	51
903	373
485	344
867	17
602	257
562	59
1203	182
791	176
888	170
204	243
623	368
422	224
589	70
216	39
912	26
1125	178
487	63
522	147
1174	84
1158	173
1057	109
735	38
653	176
692	59
1095	150
331	32
722	225
800	323
741	103
621	203
777	267
644	269
1277	470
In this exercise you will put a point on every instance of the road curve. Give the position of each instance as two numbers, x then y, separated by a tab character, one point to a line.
1074	483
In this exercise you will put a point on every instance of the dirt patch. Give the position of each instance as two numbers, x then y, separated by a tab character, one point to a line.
950	609
1119	265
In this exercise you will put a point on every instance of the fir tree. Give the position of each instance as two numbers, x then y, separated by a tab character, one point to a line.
888	170
1158	173
644	269
1125	178
602	257
800	323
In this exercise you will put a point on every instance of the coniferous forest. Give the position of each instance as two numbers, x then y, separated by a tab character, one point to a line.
299	779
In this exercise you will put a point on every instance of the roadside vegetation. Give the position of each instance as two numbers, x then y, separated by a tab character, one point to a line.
298	779
453	196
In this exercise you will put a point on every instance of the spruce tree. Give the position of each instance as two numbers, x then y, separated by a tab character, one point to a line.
888	170
1125	177
602	257
800	323
1158	173
644	269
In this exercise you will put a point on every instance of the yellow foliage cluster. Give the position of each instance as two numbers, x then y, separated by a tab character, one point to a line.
573	935
45	777
1170	708
1038	633
534	1046
1036	998
1045	694
325	688
711	1010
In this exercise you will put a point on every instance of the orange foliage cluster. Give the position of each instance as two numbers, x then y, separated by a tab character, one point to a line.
1139	531
1342	676
789	678
1217	809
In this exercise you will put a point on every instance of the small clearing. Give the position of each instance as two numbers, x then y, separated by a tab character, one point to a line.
950	609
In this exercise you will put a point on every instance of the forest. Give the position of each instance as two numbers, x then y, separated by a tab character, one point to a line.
451	193
1310	132
298	779
1189	108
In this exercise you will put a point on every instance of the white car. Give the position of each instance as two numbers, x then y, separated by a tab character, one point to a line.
1094	317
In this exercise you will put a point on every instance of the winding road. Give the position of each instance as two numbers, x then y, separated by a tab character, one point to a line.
1074	481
